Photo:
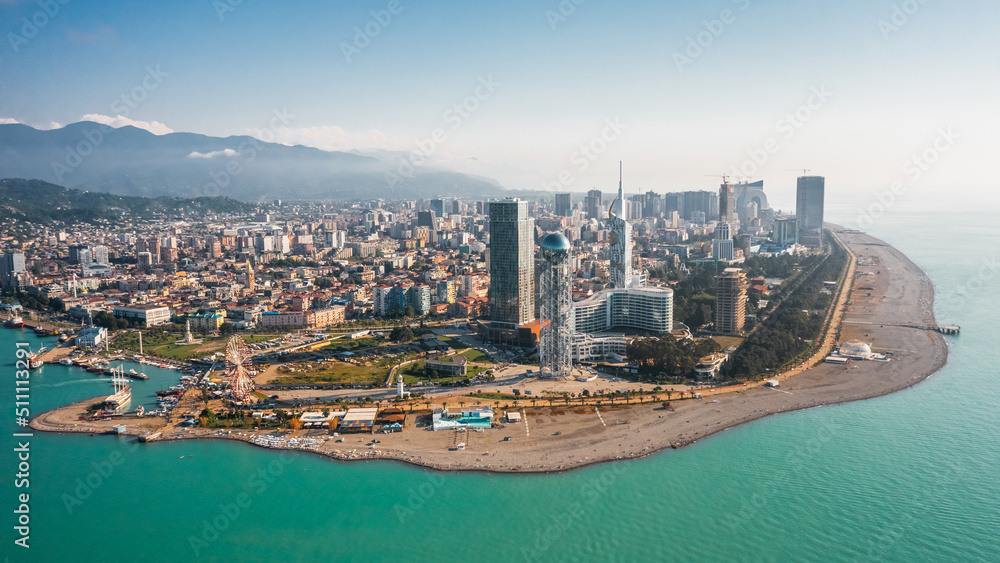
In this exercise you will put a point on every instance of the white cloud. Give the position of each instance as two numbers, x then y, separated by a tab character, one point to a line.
213	154
10	120
154	127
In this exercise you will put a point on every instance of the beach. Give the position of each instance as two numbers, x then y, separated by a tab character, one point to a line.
889	304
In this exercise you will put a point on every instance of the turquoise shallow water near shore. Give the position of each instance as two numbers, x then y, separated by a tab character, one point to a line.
908	477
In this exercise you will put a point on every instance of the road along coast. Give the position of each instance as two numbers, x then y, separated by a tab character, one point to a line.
885	295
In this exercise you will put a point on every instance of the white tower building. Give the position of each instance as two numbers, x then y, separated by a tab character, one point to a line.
620	239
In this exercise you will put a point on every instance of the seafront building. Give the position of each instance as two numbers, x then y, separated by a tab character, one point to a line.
648	309
146	315
731	301
809	195
470	416
556	307
512	273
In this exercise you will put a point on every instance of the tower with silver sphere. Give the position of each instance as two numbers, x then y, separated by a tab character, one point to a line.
556	307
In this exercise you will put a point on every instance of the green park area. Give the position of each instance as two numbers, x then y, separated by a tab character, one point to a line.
160	343
334	372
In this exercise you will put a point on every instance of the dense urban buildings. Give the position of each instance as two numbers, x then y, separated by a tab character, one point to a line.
314	266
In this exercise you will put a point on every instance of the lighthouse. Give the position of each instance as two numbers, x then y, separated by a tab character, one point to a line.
399	385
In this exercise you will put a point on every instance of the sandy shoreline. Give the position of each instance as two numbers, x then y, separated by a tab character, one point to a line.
553	439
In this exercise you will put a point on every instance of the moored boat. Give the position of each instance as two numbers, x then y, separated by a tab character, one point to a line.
35	359
122	395
14	322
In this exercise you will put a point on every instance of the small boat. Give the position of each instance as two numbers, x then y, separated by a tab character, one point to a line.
134	375
66	362
132	372
63	337
14	322
35	359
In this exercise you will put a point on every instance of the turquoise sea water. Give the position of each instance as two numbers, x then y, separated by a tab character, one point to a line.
914	476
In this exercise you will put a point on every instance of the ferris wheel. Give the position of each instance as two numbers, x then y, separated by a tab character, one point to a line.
239	368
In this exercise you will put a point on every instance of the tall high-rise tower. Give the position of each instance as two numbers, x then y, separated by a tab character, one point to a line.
556	306
592	203
722	244
731	301
727	203
620	241
512	264
809	196
564	205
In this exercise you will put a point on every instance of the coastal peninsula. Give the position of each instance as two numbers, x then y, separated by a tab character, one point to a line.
888	302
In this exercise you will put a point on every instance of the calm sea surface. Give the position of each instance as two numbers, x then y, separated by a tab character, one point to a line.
914	476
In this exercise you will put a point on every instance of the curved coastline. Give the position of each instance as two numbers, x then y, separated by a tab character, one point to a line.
895	294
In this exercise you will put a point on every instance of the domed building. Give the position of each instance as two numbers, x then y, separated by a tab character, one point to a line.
856	350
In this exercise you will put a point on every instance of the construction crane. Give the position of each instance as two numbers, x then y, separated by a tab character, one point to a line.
805	171
725	177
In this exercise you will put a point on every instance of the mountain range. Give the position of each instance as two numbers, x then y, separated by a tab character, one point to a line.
134	162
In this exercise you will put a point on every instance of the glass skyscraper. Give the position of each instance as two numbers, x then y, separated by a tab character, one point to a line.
512	264
809	209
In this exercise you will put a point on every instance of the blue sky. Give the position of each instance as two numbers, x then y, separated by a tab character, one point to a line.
559	80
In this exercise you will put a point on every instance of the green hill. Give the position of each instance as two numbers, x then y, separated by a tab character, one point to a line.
37	201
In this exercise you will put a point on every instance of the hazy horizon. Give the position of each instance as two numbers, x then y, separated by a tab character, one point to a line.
680	92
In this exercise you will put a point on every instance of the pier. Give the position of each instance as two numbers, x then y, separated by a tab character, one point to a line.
950	330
